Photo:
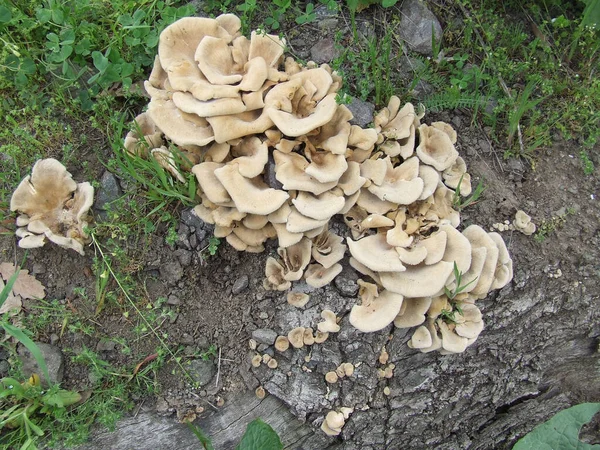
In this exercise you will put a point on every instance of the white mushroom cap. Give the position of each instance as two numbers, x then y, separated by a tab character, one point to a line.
451	342
329	325
320	207
296	337
375	313
375	253
421	338
418	281
298	299
436	148
413	312
458	248
318	276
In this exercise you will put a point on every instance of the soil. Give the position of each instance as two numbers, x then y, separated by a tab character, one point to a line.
535	356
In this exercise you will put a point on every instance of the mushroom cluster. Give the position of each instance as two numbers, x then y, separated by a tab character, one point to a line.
52	206
276	157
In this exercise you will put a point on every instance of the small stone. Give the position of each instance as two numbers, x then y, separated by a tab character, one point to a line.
173	300
202	371
200	236
264	336
328	24
416	27
38	269
362	112
54	338
173	318
485	146
252	344
347	286
105	346
324	51
54	362
171	272
194	240
190	218
109	191
4	368
184	256
263	315
240	285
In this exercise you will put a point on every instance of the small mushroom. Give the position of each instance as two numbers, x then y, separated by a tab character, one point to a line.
329	325
308	336
256	360
272	364
523	223
260	392
282	343
331	377
296	337
297	299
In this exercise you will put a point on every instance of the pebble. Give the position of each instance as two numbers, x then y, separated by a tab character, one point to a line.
324	51
173	300
417	25
171	272
263	315
362	112
38	269
346	286
105	346
184	256
264	336
240	285
202	371
189	218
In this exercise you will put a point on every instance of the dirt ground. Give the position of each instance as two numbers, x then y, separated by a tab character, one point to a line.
219	300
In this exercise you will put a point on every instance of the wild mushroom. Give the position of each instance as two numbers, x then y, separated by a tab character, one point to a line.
282	343
523	223
329	324
297	299
375	311
296	337
55	205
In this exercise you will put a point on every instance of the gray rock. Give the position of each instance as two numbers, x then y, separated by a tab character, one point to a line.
423	88
324	51
4	368
264	336
362	112
173	300
416	26
240	285
328	24
105	345
109	191
408	67
171	272
190	218
202	371
346	284
184	256
323	12
54	362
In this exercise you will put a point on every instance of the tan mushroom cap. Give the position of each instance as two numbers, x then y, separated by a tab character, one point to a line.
458	248
351	180
284	237
376	313
291	172
436	342
523	223
431	179
401	184
298	299
436	148
270	47
451	342
362	138
375	253
144	136
418	281
361	268
318	207
308	337
165	159
229	127
328	248
181	128
504	267
251	156
373	204
377	221
413	312
249	195
478	237
318	276
331	377
412	256
374	170
299	223
435	245
187	103
296	337
274	273
397	236
421	338
209	183
282	343
215	60
295	258
324	166
329	324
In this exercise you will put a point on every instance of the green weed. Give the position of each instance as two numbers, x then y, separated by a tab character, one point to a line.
258	435
588	164
549	226
459	203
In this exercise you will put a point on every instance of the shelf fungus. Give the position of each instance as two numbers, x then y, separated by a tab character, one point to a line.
276	157
52	207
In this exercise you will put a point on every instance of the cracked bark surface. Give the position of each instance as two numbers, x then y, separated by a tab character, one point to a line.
539	352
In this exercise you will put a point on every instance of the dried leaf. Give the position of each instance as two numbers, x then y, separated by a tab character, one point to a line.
26	285
12	301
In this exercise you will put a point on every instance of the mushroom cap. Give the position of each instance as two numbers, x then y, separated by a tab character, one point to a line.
435	245
436	148
421	338
296	337
478	237
458	248
375	253
251	156
504	267
401	184
295	258
328	248
318	276
418	281
412	312
376	313
282	343
335	420
329	325
209	183
229	127
319	207
308	337
362	138
299	223
291	172
451	342
331	377
351	180
297	299
249	195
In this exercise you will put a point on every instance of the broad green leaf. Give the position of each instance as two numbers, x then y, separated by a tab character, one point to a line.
58	16
388	3
43	15
260	436
561	431
37	430
100	61
18	334
11	386
591	14
5	14
61	398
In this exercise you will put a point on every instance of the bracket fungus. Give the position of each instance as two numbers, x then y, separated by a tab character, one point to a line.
52	206
278	158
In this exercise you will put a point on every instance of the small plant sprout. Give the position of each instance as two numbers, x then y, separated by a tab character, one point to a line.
459	203
449	315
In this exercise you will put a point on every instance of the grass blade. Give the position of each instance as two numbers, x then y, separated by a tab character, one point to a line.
18	334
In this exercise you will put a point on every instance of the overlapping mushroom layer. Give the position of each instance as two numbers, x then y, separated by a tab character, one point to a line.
52	206
276	157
